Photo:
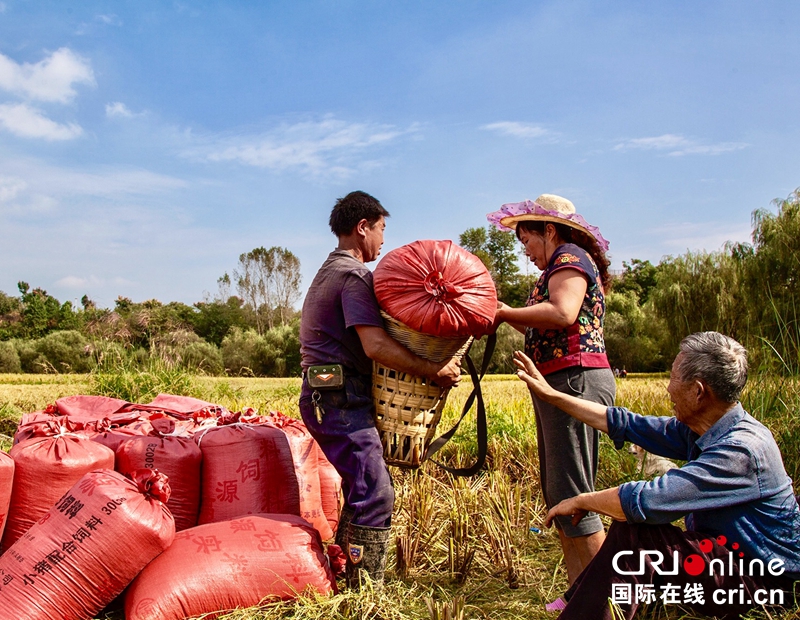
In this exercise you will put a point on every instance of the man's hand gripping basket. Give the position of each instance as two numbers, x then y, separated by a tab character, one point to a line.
409	408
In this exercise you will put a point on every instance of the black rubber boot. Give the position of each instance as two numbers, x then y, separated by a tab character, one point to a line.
366	553
341	530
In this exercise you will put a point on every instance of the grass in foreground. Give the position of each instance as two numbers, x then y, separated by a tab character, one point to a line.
467	548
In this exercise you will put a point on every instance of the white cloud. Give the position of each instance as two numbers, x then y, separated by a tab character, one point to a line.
678	145
51	79
78	282
328	147
708	236
27	122
119	109
10	188
109	20
517	130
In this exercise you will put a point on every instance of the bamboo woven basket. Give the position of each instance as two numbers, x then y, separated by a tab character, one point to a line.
408	408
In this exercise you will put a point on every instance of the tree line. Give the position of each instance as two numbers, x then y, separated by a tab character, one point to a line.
745	290
252	332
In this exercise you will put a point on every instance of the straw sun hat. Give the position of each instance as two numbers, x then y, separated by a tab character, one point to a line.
546	208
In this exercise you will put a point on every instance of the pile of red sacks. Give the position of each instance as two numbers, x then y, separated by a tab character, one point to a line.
95	489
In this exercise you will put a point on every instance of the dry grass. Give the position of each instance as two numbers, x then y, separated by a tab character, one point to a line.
466	548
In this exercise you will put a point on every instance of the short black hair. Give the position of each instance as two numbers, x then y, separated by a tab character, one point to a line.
350	210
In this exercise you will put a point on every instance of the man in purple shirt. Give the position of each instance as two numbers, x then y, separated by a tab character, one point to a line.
741	547
341	324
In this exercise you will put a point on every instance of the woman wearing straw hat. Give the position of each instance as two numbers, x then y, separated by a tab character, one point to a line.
563	326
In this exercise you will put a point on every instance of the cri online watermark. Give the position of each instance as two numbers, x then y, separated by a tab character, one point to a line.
695	565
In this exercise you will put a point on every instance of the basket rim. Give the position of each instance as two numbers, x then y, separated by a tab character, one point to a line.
398	323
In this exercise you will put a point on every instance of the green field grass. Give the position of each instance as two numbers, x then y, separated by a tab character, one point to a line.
477	554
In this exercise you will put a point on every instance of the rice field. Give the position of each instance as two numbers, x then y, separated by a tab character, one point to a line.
465	547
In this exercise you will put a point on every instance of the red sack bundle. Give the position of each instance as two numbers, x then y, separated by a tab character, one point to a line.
92	407
44	469
178	458
6	484
437	288
87	548
233	564
330	489
306	466
112	434
247	469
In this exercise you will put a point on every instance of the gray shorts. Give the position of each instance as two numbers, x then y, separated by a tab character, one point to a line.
568	449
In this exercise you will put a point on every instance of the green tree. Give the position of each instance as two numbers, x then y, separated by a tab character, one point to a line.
41	313
772	278
268	280
634	335
10	316
638	276
216	318
700	291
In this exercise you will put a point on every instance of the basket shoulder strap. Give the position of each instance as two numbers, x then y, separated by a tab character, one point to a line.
476	396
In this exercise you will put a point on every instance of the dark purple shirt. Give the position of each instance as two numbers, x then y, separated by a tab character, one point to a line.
340	297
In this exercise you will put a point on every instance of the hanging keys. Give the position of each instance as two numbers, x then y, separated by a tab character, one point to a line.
315	398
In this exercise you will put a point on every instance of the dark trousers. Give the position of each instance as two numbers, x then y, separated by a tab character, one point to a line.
725	596
350	441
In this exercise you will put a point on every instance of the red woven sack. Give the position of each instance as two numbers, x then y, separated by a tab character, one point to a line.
6	484
44	469
247	469
112	435
437	288
330	489
306	466
229	565
96	407
87	548
178	458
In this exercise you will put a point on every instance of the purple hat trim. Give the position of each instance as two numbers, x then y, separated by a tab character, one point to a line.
516	209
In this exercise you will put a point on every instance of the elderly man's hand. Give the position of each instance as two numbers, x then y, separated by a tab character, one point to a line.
604	502
568	508
526	370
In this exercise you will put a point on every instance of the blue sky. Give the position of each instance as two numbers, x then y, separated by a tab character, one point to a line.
145	145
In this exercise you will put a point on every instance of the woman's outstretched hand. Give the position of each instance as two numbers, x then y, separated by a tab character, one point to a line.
498	316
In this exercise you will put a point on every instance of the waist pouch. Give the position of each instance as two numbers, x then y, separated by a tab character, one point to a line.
325	377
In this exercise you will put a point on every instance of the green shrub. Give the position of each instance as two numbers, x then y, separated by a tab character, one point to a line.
66	351
30	359
202	357
244	352
282	349
9	358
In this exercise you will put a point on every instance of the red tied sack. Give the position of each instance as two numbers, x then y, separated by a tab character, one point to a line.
6	484
178	458
219	567
111	434
305	454
247	469
44	469
87	548
330	489
437	288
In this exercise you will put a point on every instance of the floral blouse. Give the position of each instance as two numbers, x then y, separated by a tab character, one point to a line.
580	344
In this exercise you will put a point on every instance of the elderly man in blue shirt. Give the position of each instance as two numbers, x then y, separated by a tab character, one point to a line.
741	547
